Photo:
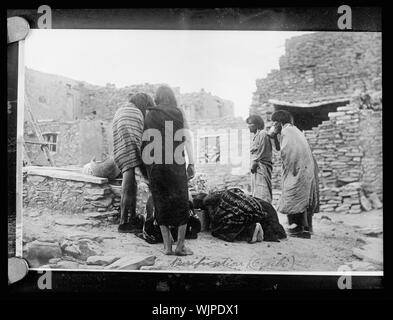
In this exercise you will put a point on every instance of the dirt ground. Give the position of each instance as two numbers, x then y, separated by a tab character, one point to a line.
339	239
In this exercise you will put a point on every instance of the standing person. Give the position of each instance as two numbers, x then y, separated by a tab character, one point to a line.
167	173
300	189
261	159
127	128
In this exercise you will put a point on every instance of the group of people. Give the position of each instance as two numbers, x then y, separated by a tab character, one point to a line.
142	142
299	185
167	176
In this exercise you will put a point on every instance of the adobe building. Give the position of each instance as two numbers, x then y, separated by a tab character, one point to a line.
76	118
331	83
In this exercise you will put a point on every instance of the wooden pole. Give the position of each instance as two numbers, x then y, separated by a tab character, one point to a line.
38	133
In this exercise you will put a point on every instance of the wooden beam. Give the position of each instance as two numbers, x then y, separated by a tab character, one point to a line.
40	142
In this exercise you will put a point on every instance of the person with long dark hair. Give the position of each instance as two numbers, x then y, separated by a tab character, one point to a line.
165	160
127	129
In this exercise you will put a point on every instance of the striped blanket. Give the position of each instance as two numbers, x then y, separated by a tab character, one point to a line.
127	128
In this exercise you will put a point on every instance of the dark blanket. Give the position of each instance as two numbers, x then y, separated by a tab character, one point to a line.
234	215
168	179
152	233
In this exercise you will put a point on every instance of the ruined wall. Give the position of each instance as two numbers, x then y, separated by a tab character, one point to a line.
55	97
106	100
371	144
77	196
68	143
77	142
322	64
348	150
233	167
203	105
62	99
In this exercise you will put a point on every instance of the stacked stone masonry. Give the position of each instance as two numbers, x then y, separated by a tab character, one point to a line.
75	197
348	150
321	65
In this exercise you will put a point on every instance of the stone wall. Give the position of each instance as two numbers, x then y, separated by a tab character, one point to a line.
371	143
234	165
320	65
203	105
77	143
348	150
68	143
60	98
74	193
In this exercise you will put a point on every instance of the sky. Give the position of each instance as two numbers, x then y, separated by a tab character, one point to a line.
224	63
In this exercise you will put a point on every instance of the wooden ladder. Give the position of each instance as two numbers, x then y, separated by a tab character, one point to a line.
38	133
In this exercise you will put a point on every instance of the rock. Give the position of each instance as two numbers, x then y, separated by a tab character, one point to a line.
366	204
90	267
103	203
99	215
35	214
75	222
116	190
93	237
342	208
54	260
50	238
101	260
325	218
361	266
35	179
72	250
93	197
376	203
371	232
85	248
132	263
64	264
158	267
39	252
95	191
82	249
29	237
372	251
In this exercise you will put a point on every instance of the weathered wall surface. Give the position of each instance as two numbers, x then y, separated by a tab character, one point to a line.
68	143
62	99
234	165
203	105
348	150
73	197
371	143
77	142
323	67
323	64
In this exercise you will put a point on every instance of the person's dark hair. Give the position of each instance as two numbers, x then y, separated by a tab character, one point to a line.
142	101
165	96
198	201
257	120
282	116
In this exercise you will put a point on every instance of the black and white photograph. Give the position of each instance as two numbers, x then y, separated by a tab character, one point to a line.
209	151
177	153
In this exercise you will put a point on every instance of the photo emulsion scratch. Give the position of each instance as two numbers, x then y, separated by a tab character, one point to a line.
202	151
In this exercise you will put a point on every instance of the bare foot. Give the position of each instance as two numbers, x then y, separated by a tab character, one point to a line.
183	252
255	234
167	252
260	233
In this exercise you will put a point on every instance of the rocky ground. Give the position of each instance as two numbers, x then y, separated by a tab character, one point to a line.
57	240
